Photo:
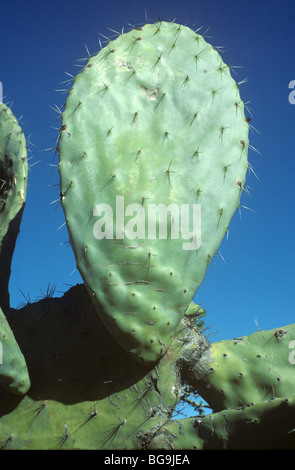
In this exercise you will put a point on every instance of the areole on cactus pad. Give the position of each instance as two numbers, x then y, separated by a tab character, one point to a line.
153	156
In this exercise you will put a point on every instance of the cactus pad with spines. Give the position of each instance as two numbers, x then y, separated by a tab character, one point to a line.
267	424
247	370
13	189
154	118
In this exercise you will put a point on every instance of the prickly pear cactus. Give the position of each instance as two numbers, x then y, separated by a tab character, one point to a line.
13	188
153	154
153	122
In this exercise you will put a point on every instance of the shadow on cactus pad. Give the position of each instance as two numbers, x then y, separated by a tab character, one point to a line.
86	392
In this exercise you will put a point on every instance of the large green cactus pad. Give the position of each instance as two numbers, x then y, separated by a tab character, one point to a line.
155	118
13	188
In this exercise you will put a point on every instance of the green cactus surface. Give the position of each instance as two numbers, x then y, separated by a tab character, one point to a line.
13	188
87	393
153	121
14	376
266	425
247	370
82	396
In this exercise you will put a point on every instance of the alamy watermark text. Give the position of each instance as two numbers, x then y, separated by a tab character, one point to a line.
152	221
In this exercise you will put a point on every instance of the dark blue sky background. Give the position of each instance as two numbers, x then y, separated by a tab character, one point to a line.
40	42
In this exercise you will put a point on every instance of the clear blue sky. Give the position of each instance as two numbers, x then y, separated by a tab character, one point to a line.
41	42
